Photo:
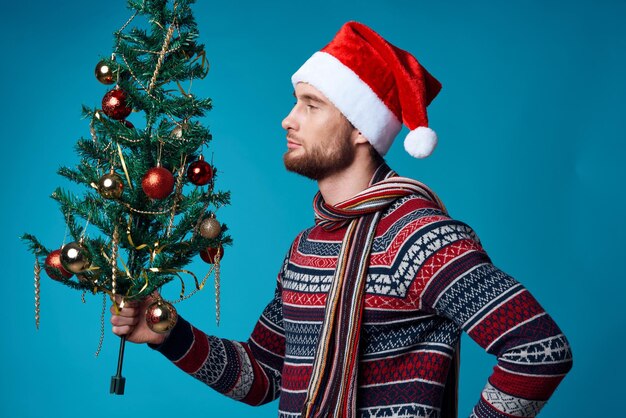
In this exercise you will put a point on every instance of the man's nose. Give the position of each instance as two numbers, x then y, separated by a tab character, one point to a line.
290	121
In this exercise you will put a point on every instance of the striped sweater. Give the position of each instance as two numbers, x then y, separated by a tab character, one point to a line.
429	279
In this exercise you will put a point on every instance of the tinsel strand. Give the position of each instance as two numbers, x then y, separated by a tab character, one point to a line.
37	289
102	315
123	163
177	193
197	289
168	38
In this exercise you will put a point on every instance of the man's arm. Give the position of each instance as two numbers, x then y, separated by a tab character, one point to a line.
501	315
245	371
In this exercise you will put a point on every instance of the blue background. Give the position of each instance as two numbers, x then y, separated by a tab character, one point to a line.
531	126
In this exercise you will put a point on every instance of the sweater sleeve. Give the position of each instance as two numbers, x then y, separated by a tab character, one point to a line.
249	372
501	315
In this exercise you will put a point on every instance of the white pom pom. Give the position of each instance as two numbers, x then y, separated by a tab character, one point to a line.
420	142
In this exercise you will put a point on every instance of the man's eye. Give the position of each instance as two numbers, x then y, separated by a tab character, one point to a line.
311	106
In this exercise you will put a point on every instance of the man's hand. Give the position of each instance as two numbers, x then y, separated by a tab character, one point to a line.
130	320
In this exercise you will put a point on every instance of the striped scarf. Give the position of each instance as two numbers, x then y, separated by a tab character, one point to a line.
333	385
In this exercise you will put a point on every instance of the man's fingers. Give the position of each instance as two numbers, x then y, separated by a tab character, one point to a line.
131	303
125	311
123	325
122	330
125	315
119	320
120	302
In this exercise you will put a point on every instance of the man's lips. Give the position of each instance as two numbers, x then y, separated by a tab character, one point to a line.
291	144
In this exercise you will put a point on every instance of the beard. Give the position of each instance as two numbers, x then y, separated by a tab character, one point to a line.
321	161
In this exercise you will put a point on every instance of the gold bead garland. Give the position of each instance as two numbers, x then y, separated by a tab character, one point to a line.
217	288
37	271
102	315
114	247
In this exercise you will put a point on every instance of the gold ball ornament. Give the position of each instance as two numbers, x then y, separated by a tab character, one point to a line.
210	228
110	186
161	316
177	133
105	73
179	130
75	257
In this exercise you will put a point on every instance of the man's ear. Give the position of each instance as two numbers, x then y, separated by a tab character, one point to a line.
358	137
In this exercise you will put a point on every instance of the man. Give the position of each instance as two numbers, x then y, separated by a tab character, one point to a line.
370	302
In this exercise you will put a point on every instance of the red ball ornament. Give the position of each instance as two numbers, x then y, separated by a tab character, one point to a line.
53	261
158	183
209	254
200	172
114	104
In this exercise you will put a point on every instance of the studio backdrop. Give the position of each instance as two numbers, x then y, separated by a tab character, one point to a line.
531	123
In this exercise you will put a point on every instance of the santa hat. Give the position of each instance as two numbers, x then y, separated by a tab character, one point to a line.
377	87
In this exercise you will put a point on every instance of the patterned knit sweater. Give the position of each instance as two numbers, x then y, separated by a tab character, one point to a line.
428	280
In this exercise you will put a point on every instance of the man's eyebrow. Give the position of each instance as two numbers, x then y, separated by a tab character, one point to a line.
310	98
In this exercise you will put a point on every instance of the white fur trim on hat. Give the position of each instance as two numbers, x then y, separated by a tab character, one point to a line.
353	97
420	142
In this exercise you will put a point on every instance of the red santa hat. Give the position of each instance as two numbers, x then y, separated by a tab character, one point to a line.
376	85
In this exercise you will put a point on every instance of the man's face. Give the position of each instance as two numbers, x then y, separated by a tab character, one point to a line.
319	137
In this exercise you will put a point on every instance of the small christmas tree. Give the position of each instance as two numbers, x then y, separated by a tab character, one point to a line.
149	201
